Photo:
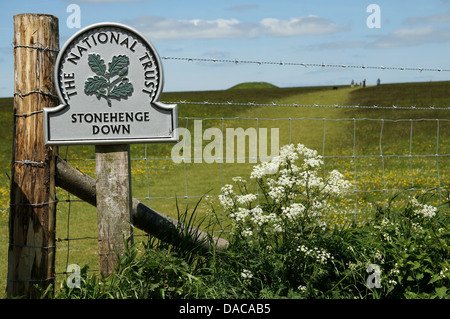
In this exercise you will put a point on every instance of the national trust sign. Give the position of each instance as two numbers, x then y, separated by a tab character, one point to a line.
108	79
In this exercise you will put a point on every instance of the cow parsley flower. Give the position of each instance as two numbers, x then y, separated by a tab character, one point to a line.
247	232
426	211
293	211
277	228
241	214
288	154
293	194
277	193
227	189
246	199
302	288
336	184
263	169
246	274
444	272
226	201
321	255
313	162
238	179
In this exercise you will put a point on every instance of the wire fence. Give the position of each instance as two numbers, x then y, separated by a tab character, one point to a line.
382	158
306	64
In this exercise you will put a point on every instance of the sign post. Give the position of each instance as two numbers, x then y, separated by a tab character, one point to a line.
114	203
109	79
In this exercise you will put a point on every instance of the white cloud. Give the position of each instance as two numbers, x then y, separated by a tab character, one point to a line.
310	25
158	28
413	37
436	18
161	28
413	33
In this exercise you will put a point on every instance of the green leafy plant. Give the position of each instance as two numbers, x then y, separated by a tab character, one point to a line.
111	83
281	245
414	241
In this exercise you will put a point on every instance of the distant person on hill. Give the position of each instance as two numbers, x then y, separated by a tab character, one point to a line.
378	81
364	83
352	84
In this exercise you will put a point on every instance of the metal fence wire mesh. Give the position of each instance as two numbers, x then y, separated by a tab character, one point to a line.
382	157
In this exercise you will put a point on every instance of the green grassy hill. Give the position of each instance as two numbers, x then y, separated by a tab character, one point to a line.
165	179
253	85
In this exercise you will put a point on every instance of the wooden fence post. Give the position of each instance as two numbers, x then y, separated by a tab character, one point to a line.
114	203
31	252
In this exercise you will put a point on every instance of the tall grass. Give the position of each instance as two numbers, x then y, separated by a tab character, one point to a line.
275	253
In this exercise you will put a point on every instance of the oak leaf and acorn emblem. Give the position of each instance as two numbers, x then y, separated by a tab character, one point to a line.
109	84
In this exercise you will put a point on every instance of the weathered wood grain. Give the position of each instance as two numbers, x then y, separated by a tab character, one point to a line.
113	199
31	252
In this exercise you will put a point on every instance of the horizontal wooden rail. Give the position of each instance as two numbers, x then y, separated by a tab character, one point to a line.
144	218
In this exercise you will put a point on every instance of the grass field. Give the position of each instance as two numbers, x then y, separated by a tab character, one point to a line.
162	180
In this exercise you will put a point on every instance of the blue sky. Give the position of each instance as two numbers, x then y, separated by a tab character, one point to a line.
411	34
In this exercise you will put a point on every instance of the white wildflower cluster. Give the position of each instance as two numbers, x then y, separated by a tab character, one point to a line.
336	184
387	228
321	255
246	274
392	282
312	159
259	218
426	211
288	155
444	273
265	168
239	179
302	288
241	214
416	227
294	211
387	237
247	232
226	199
293	188
395	270
379	256
227	190
277	193
255	216
246	199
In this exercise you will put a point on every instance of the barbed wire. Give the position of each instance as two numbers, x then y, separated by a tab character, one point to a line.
40	47
322	65
229	103
281	63
42	92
